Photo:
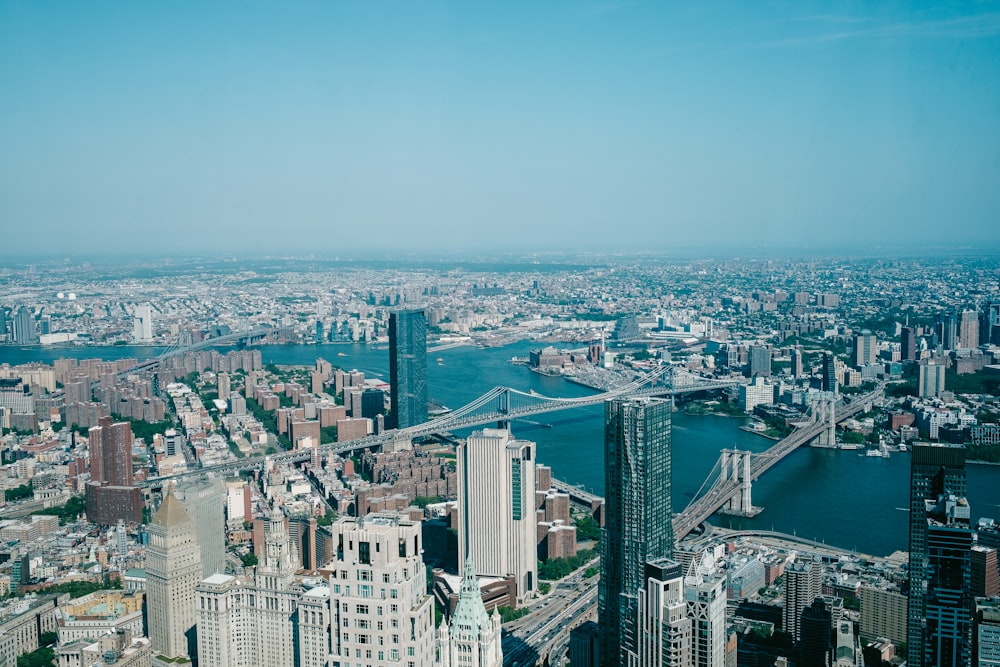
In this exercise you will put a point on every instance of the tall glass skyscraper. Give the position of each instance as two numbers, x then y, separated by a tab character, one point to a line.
408	367
638	516
935	471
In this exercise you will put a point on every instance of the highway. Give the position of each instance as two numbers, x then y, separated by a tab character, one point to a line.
529	639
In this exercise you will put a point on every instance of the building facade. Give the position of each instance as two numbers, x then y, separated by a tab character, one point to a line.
173	569
245	621
473	637
935	471
408	367
381	613
496	507
665	638
638	525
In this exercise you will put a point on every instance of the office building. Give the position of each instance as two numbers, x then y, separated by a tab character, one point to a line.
985	582
142	325
408	367
204	500
111	494
760	361
935	471
816	629
24	331
251	620
968	330
947	330
948	599
908	344
797	369
865	349
638	524
705	595
883	612
173	569
803	584
381	608
986	632
665	636
496	507
830	373
473	637
584	646
989	333
930	382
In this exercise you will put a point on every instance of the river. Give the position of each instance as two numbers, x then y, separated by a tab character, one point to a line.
842	498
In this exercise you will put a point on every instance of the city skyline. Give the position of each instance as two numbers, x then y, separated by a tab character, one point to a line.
361	129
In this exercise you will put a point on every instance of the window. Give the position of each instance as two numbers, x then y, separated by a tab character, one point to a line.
364	553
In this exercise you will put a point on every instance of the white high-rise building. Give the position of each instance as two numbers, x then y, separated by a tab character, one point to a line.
496	507
315	627
380	612
803	583
705	593
142	328
173	568
665	628
249	621
473	639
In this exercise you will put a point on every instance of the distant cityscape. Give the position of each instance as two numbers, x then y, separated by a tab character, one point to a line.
172	496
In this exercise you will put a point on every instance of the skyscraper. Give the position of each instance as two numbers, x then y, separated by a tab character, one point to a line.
142	326
496	507
250	621
665	626
797	366
803	583
111	495
948	599
408	367
865	348
173	569
935	471
760	360
381	612
473	639
908	344
948	330
705	594
638	528
968	330
931	378
829	372
24	327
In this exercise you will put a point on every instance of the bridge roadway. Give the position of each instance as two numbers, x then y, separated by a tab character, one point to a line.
440	425
721	492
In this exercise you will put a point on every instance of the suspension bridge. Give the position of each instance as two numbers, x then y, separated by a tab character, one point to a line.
499	405
730	481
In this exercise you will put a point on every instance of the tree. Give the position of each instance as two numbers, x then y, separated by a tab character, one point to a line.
249	559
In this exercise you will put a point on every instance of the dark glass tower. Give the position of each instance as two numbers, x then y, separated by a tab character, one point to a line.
639	519
935	471
408	367
829	373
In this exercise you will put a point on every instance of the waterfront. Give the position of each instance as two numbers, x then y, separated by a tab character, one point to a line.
829	495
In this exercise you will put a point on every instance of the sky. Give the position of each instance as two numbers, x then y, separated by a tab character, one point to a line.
341	128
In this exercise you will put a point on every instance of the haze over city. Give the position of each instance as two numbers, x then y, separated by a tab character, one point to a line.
341	128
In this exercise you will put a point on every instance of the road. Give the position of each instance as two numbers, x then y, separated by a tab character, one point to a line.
530	638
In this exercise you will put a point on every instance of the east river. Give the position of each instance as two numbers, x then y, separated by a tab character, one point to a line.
851	501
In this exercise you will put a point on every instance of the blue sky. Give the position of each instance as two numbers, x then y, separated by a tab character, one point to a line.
355	127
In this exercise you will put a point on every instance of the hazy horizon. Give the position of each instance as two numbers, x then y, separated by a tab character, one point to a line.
376	129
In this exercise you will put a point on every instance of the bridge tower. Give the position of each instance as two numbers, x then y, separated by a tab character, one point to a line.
734	466
824	408
503	409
